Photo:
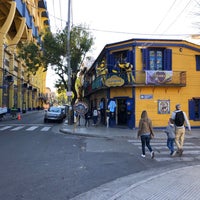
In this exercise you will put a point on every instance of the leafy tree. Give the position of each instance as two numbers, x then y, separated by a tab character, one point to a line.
55	52
31	54
54	48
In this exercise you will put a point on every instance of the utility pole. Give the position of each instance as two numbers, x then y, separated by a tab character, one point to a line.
69	84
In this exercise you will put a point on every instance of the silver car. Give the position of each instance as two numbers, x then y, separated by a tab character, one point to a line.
54	113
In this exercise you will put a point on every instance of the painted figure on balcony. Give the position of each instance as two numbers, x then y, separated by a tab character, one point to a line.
127	67
102	71
116	69
79	83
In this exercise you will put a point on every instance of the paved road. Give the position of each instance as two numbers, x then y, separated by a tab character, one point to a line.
168	183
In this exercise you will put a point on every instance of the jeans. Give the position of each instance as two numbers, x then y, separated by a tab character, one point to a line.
145	139
170	144
95	118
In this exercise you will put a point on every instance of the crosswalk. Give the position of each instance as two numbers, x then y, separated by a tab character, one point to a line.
28	128
191	151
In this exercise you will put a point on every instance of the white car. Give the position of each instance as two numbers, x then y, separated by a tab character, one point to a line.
54	113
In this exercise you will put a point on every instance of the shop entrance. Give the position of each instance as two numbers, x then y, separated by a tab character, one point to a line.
121	112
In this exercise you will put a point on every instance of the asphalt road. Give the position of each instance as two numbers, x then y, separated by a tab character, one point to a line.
37	162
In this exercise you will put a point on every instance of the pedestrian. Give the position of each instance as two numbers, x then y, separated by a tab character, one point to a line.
95	116
145	132
87	118
170	131
180	118
107	118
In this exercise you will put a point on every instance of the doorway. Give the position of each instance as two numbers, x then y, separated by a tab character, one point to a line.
121	112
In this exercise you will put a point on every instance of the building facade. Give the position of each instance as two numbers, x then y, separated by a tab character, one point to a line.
21	20
145	74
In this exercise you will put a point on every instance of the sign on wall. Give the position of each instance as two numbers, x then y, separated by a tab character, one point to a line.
163	106
158	77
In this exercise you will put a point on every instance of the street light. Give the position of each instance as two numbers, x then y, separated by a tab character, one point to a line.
69	84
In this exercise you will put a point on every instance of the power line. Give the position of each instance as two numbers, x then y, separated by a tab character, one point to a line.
178	16
167	13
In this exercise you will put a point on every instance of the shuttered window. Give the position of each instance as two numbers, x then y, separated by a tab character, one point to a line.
157	59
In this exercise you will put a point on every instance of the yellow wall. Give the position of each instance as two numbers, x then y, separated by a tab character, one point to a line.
182	60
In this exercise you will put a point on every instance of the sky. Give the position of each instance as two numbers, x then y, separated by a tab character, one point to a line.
111	21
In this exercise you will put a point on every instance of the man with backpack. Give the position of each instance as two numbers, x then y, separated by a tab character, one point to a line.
180	118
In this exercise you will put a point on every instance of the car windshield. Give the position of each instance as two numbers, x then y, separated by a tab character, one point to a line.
54	109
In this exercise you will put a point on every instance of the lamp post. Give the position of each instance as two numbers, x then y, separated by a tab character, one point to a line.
69	84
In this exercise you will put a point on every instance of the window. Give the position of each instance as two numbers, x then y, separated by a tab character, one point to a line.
197	62
157	59
194	109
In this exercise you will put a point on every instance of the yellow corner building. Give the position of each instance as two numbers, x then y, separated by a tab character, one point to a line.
145	74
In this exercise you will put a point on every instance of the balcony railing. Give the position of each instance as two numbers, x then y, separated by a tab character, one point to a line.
137	79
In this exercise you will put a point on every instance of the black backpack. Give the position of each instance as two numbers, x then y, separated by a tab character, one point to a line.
179	118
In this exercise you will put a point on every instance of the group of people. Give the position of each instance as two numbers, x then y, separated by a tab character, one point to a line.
91	115
175	132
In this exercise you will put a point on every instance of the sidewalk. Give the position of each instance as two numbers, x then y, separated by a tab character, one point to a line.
103	131
155	184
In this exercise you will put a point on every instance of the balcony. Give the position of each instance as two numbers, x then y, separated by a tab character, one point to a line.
139	79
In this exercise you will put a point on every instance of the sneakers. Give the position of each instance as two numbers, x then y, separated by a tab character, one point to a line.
174	153
152	155
143	155
180	152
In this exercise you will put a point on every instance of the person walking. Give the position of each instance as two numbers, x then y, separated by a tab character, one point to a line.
95	116
145	133
87	118
170	131
180	118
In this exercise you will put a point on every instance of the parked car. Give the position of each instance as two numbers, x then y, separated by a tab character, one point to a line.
54	113
65	110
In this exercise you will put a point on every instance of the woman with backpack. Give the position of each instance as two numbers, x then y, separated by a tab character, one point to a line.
180	118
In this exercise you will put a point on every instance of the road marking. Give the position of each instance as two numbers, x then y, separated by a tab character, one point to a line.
45	128
17	128
5	127
162	153
32	128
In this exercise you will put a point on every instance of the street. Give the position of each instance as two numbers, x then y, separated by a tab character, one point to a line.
40	162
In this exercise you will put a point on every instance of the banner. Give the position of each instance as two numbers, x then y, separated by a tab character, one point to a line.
157	77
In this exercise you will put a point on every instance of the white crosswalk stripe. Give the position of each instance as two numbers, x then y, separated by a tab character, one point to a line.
5	127
45	128
162	153
17	128
28	128
32	128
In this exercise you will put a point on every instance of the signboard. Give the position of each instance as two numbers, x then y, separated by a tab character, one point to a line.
81	108
158	77
163	107
146	96
114	81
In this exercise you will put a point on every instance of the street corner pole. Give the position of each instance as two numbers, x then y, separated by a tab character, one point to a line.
69	84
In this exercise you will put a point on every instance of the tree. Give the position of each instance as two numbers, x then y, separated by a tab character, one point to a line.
54	48
31	54
55	52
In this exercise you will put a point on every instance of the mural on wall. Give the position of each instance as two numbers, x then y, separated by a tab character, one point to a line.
163	107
